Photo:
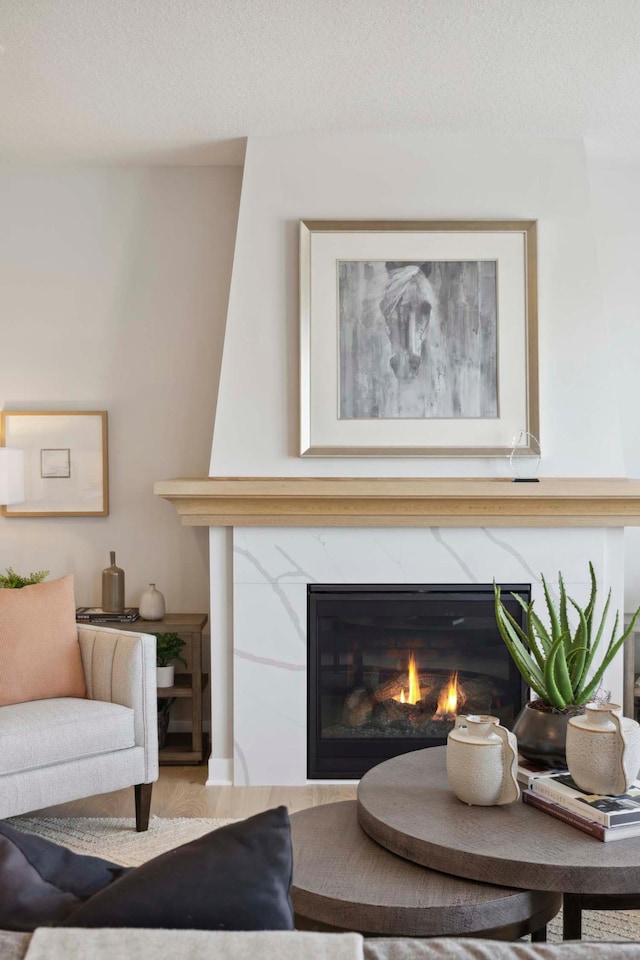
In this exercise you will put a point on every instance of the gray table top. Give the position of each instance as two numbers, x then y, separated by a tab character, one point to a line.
407	806
343	879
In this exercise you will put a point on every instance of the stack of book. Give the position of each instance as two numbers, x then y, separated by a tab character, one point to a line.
555	793
98	615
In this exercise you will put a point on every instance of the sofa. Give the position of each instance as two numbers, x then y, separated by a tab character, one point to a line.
118	944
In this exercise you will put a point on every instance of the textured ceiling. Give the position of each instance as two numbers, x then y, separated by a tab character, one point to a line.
182	80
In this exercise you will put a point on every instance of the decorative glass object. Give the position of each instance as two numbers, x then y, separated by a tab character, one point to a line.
524	458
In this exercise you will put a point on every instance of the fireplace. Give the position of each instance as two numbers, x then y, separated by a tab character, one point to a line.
390	667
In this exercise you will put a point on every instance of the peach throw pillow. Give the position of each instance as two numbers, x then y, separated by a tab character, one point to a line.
39	650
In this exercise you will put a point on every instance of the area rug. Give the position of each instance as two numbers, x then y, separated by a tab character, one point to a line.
117	840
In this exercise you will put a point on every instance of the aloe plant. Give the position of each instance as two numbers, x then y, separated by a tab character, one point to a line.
556	661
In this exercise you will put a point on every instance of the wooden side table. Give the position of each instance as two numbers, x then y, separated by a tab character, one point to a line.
181	748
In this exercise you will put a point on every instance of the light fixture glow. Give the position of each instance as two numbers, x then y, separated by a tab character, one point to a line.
11	476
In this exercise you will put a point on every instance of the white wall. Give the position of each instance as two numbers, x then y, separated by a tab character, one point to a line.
113	295
615	191
411	177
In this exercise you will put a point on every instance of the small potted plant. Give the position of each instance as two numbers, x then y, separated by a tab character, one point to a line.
558	662
168	647
13	580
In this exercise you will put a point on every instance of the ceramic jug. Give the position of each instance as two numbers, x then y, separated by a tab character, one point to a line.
603	749
151	605
482	761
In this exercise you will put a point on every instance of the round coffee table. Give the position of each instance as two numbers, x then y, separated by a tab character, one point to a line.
342	880
407	806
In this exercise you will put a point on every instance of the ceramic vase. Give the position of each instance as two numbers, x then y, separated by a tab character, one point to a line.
113	587
165	676
542	735
603	749
482	761
151	604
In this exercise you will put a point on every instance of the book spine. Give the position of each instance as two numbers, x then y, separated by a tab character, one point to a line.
113	619
562	813
527	777
569	803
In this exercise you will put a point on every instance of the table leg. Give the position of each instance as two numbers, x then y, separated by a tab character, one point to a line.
540	935
572	916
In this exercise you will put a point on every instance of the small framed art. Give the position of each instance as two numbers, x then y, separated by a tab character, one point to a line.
65	462
418	338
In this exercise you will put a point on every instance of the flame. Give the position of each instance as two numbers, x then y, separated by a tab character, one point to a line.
448	700
414	687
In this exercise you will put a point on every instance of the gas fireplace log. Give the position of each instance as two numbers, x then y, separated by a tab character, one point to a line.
477	695
394	710
357	708
416	719
430	686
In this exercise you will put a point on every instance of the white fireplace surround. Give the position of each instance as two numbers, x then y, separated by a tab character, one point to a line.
259	576
273	566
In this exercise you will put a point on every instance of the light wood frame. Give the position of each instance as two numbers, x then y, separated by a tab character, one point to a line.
528	228
33	481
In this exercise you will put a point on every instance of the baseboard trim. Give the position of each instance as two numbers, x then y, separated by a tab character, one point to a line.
220	773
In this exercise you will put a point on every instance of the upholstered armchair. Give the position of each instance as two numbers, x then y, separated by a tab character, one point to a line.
52	751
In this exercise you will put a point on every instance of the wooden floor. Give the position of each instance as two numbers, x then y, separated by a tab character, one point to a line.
181	792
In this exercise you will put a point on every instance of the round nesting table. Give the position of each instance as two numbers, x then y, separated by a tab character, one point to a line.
406	805
342	880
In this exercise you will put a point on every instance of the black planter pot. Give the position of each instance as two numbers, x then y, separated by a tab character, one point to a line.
542	734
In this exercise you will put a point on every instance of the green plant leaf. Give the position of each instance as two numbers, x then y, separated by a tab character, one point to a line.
168	647
564	620
14	581
541	632
579	649
526	665
554	694
553	616
595	644
612	649
591	606
531	639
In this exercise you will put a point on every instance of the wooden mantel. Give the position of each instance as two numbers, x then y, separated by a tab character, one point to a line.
354	502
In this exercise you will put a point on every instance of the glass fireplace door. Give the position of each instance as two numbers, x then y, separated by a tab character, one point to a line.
390	667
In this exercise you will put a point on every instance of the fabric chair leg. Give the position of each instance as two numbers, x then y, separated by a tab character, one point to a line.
143	805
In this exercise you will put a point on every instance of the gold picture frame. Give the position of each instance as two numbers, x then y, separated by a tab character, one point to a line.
53	489
338	257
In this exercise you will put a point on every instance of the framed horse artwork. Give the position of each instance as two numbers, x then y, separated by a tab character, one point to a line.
418	338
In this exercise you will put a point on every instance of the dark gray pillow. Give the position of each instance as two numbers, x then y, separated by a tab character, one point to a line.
234	878
42	883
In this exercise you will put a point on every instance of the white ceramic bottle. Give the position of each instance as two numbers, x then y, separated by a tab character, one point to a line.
603	749
482	761
151	604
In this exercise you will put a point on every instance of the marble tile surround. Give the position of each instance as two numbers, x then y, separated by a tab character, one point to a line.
273	566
